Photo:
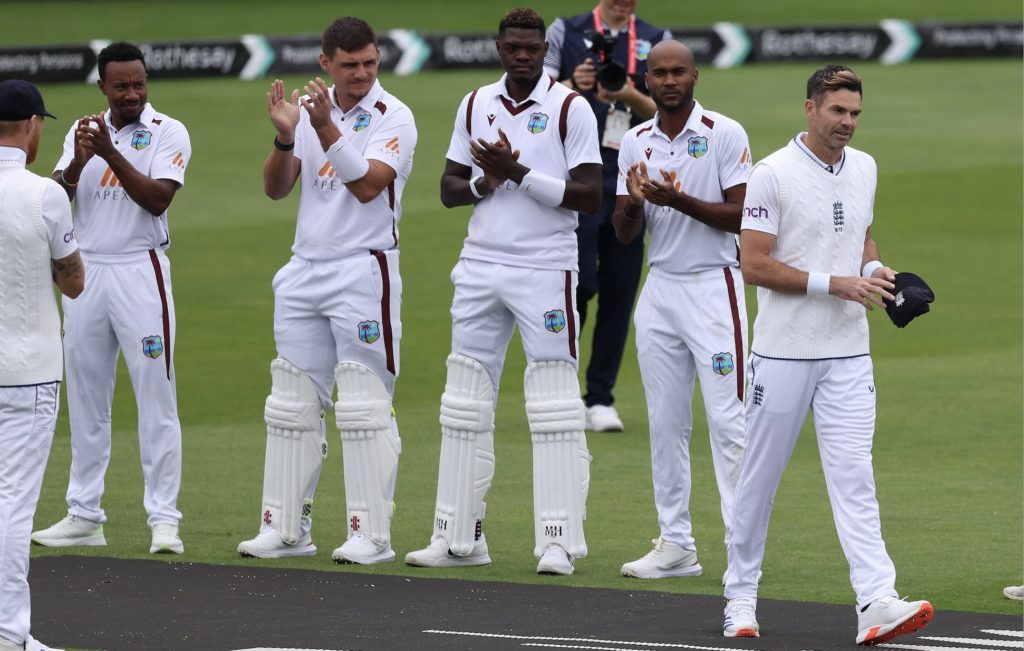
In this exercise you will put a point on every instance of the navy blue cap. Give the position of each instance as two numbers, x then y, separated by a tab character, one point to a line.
20	100
912	298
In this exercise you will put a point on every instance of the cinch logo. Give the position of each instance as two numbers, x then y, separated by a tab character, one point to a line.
326	170
109	180
755	212
392	145
179	161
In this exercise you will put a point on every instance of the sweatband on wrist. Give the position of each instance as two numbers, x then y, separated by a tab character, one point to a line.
817	283
546	189
870	268
472	186
349	165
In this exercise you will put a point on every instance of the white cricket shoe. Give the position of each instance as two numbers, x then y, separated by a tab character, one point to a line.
741	618
437	554
555	560
32	644
268	544
888	617
1015	592
361	549
166	539
665	560
603	418
72	531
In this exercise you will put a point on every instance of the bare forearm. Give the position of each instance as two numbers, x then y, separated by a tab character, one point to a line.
765	271
725	216
151	194
278	174
628	221
641	105
455	191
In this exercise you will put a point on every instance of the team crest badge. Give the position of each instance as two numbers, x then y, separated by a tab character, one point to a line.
697	146
141	139
362	121
152	346
538	122
554	320
369	331
722	363
643	48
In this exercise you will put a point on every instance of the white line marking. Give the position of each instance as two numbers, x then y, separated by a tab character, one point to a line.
1009	644
584	648
659	645
921	647
992	631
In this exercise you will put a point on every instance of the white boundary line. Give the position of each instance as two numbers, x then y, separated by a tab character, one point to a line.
541	638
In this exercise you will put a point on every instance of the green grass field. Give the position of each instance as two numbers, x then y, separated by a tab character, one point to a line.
948	140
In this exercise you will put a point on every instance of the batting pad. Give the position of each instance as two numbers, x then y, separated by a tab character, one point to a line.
467	453
370	450
561	462
296	447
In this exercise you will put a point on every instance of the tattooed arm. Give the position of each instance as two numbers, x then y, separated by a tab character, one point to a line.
69	275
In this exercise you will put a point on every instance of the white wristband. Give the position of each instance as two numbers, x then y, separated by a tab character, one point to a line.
870	268
472	186
349	165
546	189
817	283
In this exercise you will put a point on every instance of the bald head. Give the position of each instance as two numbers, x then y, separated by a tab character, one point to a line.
671	76
673	50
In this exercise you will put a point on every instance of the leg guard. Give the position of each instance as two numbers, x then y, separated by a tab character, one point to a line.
370	449
561	462
467	453
296	448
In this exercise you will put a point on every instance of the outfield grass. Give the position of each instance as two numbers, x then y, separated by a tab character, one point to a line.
947	137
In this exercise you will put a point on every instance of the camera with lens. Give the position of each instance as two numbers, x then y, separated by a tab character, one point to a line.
610	74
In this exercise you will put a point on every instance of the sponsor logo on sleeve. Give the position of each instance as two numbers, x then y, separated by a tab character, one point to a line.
745	159
178	161
69	236
755	212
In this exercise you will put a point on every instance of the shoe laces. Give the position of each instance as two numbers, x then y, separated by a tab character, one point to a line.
740	610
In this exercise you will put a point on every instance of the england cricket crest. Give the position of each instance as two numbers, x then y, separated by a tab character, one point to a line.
538	122
369	331
554	320
697	146
722	363
141	139
362	121
152	346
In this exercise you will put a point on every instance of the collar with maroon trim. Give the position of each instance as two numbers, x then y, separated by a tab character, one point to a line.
366	103
696	118
536	96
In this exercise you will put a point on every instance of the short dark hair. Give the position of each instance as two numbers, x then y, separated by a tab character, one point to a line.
522	18
350	34
119	51
832	77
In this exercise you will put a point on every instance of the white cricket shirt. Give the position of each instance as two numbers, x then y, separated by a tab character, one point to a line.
107	220
554	130
710	155
332	222
820	219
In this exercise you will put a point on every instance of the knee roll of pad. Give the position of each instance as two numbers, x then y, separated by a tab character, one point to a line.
561	461
467	453
296	448
370	450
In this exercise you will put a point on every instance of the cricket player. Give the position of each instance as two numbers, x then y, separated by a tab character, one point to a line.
524	154
684	173
337	302
122	168
806	243
37	248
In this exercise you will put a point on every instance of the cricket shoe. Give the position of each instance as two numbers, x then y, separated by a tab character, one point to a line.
72	531
741	618
361	549
268	544
889	617
1015	592
603	418
32	644
438	554
665	560
166	539
555	560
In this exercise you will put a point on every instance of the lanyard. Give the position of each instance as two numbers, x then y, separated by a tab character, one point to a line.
631	67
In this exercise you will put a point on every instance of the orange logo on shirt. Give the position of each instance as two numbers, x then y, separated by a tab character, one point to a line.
392	145
109	180
672	179
179	161
745	157
326	170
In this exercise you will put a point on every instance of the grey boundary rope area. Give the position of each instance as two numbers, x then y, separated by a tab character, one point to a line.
114	604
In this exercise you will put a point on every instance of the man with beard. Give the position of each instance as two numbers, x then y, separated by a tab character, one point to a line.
806	243
37	245
524	154
684	173
122	168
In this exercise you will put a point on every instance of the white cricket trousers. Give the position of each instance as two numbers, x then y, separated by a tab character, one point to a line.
127	307
689	326
841	396
27	418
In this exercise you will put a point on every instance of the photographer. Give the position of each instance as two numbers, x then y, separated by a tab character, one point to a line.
602	54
